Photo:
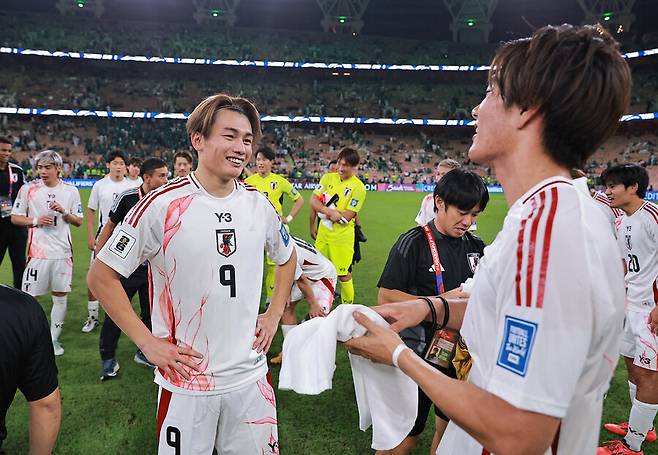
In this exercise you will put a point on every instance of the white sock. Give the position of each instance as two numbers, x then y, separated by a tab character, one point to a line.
287	328
57	315
632	390
92	308
639	423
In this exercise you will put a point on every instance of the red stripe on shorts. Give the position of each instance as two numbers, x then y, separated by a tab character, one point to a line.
163	407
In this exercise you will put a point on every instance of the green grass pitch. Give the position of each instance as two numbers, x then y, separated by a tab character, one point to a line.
118	416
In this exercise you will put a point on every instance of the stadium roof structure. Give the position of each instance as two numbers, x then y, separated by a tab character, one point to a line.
416	19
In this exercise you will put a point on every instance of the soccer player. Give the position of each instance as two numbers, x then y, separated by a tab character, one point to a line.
337	200
626	185
612	213
203	236
49	206
102	196
545	313
427	208
274	186
154	174
12	237
313	216
182	164
133	169
412	270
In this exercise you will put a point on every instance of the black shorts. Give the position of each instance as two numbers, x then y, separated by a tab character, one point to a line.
424	403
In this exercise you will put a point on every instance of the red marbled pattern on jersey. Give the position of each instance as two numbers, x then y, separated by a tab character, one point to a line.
199	380
267	392
175	211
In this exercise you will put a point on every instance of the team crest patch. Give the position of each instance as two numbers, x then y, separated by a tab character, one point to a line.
284	235
347	192
473	261
516	348
628	242
273	185
226	242
122	244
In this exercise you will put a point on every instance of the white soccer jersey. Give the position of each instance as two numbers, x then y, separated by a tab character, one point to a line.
312	263
544	319
638	240
612	214
426	212
206	267
34	199
103	195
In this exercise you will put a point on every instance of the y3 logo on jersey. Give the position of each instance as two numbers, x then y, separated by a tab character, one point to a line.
226	242
224	216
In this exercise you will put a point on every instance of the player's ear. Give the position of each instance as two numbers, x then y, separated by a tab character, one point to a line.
438	203
196	139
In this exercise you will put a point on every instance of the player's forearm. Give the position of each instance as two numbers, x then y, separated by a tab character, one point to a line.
307	290
347	214
90	224
317	205
490	420
72	219
20	220
296	207
283	278
386	295
45	419
104	235
104	283
456	309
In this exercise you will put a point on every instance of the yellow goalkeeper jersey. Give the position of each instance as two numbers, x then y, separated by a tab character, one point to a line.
274	187
342	195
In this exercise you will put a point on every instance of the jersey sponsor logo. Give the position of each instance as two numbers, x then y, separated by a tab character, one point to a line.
354	202
284	235
226	242
122	244
473	261
517	344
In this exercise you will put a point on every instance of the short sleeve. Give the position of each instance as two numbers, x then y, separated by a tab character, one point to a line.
20	204
75	206
119	209
322	185
546	321
38	377
357	198
135	241
400	265
278	242
290	190
92	203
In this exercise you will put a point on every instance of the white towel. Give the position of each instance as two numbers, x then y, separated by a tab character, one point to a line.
386	398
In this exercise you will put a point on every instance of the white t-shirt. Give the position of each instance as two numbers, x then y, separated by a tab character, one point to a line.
206	266
34	199
426	212
638	241
312	263
613	214
103	195
544	320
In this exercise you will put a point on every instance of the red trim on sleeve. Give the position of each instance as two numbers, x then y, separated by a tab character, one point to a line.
143	204
547	247
532	248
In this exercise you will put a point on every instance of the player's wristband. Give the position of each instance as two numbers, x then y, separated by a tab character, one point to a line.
288	218
35	222
64	213
396	354
432	312
446	311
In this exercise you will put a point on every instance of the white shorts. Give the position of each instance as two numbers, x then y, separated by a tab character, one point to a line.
638	342
323	290
43	275
242	422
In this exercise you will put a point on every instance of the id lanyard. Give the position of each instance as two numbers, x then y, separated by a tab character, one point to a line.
11	180
435	258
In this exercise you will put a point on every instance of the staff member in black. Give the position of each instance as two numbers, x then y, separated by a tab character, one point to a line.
27	363
430	260
154	174
11	236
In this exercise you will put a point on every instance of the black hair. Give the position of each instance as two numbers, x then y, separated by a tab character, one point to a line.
134	161
116	154
462	189
333	162
5	140
627	175
150	165
267	153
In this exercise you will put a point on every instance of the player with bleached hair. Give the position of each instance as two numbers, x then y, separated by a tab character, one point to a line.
49	206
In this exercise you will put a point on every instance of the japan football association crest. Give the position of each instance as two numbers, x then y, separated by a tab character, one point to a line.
274	185
226	244
473	261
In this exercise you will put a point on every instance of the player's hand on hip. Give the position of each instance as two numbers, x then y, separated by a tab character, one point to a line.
174	360
377	344
652	321
266	326
402	315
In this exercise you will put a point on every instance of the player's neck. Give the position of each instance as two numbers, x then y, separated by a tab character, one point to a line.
50	183
115	178
517	177
214	185
632	206
3	165
264	174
